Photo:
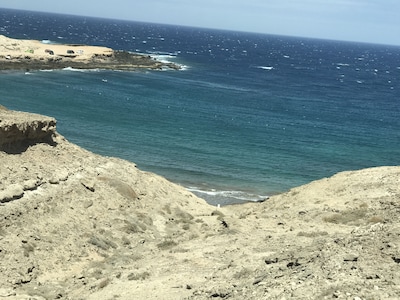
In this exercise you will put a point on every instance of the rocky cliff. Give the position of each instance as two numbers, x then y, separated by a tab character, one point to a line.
76	225
19	130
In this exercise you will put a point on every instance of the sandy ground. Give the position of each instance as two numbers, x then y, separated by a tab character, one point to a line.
76	225
35	55
14	49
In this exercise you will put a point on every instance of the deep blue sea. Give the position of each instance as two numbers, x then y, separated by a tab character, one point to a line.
248	116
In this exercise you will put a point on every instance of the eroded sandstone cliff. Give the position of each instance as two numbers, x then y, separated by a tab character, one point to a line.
19	130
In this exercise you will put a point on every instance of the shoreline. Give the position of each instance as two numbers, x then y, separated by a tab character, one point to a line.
28	55
218	196
78	225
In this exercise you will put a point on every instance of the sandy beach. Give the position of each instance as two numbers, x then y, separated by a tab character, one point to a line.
18	54
76	225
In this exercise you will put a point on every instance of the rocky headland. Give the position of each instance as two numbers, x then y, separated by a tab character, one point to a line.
29	55
76	225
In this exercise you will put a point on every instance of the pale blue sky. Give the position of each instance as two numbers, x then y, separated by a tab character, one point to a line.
375	21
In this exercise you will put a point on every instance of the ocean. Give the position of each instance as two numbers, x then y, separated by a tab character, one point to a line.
248	116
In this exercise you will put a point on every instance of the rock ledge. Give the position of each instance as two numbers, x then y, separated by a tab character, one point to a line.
20	130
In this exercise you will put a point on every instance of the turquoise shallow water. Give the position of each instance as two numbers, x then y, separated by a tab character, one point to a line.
249	115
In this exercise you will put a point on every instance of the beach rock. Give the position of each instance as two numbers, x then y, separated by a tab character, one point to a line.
31	184
61	175
12	192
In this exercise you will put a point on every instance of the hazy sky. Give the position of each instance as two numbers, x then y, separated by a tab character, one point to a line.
376	21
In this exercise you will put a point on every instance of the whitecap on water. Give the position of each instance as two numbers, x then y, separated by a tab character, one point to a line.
80	70
268	68
167	57
48	42
216	197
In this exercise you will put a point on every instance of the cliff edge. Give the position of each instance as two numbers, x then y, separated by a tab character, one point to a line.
76	225
19	130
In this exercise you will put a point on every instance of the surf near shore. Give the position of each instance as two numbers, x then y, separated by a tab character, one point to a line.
28	55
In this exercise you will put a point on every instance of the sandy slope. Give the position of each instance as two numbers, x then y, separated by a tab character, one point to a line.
75	225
